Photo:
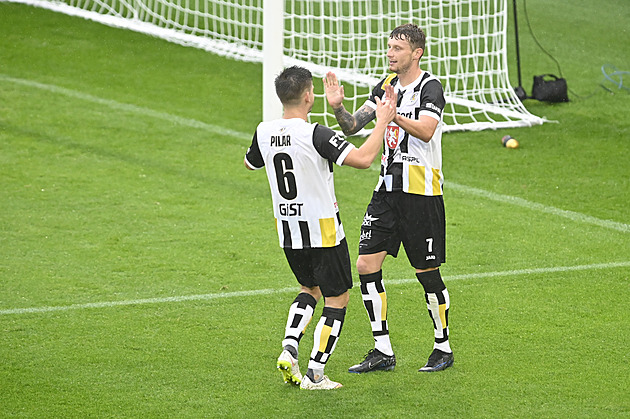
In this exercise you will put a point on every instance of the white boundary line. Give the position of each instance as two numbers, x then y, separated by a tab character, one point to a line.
215	296
571	215
118	106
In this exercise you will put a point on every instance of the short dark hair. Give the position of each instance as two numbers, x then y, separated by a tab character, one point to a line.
411	33
291	84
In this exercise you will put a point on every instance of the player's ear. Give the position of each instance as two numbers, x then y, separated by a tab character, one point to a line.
309	96
418	53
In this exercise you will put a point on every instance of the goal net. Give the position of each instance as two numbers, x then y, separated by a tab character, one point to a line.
466	45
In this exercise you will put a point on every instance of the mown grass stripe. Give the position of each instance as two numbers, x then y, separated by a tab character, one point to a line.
215	129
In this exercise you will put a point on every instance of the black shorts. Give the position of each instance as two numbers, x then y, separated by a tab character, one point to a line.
416	221
327	268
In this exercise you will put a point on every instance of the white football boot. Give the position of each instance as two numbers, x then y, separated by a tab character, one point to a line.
324	384
289	368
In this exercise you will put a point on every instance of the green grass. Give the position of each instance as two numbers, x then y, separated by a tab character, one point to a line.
102	202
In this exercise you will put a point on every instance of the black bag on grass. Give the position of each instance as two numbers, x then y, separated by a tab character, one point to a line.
550	88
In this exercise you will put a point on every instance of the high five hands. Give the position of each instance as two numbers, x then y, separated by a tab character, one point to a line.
386	109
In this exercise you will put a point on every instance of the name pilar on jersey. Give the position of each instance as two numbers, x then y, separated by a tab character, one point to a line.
299	157
409	164
280	140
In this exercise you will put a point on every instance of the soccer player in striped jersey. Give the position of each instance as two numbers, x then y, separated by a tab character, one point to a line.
298	157
407	205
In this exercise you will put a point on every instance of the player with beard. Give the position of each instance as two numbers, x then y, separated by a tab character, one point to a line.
407	204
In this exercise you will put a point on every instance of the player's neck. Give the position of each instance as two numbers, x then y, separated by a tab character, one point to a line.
409	77
298	112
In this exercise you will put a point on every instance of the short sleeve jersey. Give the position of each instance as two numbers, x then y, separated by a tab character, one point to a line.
409	164
298	157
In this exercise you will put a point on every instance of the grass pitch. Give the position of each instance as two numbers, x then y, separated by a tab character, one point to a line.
140	274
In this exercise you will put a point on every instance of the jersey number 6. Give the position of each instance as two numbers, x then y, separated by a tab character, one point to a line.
283	165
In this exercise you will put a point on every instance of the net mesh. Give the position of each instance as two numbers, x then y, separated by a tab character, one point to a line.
466	44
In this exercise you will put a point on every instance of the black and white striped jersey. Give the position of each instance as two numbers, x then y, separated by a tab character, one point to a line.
298	157
409	164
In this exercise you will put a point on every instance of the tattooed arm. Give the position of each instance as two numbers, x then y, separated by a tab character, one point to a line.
350	124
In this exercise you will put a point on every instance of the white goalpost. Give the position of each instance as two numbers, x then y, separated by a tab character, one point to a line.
466	45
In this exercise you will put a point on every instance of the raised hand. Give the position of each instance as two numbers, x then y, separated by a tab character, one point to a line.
390	94
334	91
